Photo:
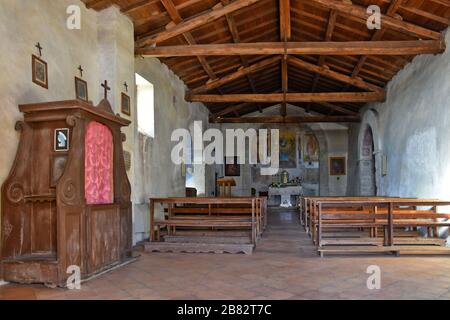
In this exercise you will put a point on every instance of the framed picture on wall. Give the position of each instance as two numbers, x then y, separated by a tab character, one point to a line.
81	89
40	71
126	104
338	166
232	169
61	142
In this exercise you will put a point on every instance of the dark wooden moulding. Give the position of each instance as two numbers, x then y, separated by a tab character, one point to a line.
46	225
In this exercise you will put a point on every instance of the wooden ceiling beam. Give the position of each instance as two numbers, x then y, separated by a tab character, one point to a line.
289	119
328	36
290	97
337	108
285	36
138	5
235	75
357	82
191	24
236	39
285	20
284	85
230	109
387	21
393	7
408	48
92	3
176	18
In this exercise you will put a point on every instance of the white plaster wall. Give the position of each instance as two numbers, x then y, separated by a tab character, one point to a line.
104	46
412	128
156	174
23	23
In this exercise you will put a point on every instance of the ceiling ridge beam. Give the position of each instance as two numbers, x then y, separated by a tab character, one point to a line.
392	48
193	23
285	36
388	21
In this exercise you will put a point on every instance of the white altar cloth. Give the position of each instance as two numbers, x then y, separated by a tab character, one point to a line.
285	193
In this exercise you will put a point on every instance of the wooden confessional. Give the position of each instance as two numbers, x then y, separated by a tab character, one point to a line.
66	201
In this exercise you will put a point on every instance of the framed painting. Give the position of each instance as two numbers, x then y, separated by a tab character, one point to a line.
81	89
40	71
288	149
338	166
126	104
232	169
310	148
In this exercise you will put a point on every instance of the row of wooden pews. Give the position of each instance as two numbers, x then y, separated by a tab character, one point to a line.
207	224
375	224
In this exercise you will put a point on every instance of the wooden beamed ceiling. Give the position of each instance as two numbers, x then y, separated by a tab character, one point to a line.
241	56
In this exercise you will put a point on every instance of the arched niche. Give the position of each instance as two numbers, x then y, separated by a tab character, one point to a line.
369	155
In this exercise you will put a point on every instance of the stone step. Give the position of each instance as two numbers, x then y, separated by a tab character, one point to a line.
198	247
208	239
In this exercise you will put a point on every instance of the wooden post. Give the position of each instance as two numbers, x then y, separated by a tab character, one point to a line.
253	223
319	226
152	226
391	224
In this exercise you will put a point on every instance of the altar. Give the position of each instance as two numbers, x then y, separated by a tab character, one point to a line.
285	192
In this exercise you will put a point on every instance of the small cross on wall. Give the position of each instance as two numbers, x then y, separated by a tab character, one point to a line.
106	89
81	71
38	46
126	86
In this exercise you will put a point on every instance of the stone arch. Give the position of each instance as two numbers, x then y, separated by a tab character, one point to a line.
369	157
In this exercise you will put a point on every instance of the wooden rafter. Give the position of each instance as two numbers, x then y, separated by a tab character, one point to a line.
235	75
334	107
230	109
393	7
324	71
290	97
391	48
288	119
328	36
236	39
138	5
188	25
176	18
387	21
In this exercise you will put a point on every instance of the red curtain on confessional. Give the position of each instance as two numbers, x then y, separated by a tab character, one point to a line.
98	175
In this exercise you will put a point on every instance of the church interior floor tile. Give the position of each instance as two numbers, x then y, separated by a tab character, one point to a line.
282	267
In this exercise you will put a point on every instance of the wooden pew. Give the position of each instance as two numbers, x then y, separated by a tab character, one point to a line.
239	213
308	206
389	215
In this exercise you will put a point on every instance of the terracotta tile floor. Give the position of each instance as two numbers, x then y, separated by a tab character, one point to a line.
284	266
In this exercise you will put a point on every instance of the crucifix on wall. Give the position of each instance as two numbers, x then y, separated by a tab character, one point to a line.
80	68
38	46
106	89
